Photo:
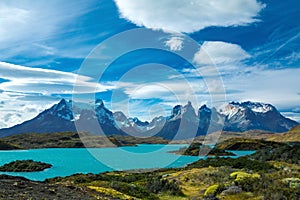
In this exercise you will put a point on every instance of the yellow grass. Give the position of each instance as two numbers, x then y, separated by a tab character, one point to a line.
111	192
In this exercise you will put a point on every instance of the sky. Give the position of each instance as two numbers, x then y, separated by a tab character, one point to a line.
143	57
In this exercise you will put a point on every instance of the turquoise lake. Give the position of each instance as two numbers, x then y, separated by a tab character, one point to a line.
71	161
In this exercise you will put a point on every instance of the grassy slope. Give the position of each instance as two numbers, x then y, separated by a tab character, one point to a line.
291	136
246	144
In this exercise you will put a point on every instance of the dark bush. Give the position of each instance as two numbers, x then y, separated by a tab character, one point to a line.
158	184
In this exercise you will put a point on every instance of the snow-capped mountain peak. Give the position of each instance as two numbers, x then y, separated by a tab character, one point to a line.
183	120
63	105
233	108
258	107
186	112
204	108
63	110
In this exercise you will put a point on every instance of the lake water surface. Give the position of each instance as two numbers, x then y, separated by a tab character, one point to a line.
71	161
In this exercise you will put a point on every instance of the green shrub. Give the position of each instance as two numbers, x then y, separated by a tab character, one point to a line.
248	182
212	190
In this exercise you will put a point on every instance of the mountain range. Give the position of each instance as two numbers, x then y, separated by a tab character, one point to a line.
183	122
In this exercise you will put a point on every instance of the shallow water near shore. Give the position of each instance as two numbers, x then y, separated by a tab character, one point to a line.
71	161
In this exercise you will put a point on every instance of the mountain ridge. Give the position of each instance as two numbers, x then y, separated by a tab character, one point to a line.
183	122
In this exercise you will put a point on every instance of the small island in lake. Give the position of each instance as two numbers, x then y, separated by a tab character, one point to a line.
198	149
24	166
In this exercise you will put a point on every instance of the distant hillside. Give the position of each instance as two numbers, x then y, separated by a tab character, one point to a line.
247	144
225	135
292	135
70	140
53	140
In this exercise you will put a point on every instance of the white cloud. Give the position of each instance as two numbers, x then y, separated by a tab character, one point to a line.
189	15
16	110
12	19
27	91
171	92
245	82
175	43
37	20
278	87
180	90
149	91
220	53
31	28
37	80
292	115
293	57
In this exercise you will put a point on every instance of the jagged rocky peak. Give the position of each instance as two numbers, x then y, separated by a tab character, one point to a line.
99	103
176	110
188	111
158	120
119	116
204	108
179	109
62	110
188	107
138	122
62	105
183	111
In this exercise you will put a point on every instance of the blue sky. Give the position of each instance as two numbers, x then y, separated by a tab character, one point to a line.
248	48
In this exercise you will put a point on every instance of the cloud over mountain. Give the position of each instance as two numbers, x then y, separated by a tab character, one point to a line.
37	80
